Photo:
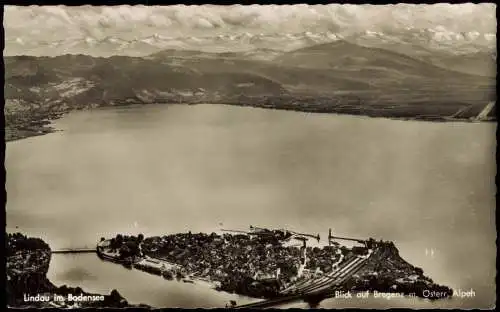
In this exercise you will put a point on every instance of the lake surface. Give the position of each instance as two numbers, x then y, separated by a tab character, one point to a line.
171	168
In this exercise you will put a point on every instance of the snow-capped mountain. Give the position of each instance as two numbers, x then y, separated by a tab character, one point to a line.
428	40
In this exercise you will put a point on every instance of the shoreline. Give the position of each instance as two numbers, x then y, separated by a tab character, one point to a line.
43	122
28	261
198	280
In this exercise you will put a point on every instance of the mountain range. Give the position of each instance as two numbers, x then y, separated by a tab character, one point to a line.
435	39
339	76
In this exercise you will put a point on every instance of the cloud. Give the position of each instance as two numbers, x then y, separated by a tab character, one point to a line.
263	18
39	24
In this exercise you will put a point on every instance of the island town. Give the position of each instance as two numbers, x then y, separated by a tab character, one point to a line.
274	265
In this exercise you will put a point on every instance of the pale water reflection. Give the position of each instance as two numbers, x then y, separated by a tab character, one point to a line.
165	169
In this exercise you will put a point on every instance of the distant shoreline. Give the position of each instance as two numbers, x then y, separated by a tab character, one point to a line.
41	123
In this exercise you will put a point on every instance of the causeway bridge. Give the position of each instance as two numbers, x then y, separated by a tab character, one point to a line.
314	290
74	250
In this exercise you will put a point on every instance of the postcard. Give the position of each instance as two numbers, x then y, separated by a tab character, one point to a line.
251	156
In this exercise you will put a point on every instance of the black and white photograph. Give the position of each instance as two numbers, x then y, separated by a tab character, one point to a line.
250	156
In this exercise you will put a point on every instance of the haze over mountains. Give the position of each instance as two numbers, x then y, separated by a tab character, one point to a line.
427	39
459	37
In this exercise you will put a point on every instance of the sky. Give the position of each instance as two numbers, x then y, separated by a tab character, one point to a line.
39	25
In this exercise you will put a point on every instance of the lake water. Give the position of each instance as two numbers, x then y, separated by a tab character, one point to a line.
172	168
